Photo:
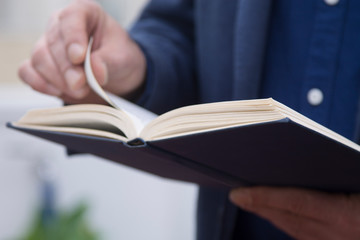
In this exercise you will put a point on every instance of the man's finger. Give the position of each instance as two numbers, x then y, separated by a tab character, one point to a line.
78	22
28	74
44	64
297	226
312	204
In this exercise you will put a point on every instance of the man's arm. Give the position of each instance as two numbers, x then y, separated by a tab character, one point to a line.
165	31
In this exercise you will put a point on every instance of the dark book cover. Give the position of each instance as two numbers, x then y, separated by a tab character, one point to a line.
278	153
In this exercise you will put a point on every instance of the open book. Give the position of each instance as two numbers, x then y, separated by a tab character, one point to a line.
229	144
108	122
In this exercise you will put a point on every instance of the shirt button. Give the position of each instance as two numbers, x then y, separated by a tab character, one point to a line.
315	96
331	2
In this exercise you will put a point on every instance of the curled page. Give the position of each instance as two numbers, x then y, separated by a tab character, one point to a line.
139	115
91	80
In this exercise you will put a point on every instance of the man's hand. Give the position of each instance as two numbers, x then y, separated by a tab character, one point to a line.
56	64
303	214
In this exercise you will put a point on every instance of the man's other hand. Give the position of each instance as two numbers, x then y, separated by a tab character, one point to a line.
303	214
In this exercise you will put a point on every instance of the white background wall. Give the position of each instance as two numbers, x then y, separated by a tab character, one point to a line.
124	203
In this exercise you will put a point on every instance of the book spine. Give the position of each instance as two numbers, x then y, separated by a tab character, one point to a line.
137	142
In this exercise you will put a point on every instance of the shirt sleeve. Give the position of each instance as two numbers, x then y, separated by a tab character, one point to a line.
165	33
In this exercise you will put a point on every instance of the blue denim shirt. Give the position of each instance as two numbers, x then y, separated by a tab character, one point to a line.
313	45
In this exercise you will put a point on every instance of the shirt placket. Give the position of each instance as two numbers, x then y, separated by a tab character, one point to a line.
321	71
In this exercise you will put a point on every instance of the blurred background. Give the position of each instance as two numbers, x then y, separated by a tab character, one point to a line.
36	177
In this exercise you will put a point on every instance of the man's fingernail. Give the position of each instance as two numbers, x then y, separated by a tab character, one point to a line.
241	197
76	53
72	78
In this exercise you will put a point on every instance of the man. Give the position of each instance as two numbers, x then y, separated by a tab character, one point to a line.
303	53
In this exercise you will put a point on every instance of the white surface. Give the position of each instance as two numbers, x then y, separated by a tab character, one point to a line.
124	203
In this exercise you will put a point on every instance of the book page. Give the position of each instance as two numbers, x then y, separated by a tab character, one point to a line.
220	115
209	117
91	80
307	122
84	117
140	116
